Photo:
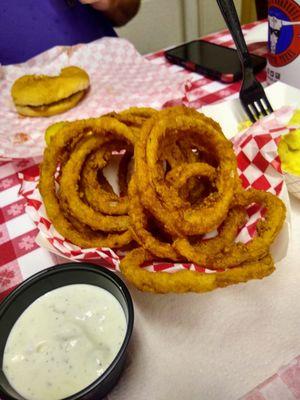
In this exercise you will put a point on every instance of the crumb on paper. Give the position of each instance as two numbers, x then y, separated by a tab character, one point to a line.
20	138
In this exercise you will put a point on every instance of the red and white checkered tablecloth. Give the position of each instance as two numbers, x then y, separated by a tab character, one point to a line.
20	256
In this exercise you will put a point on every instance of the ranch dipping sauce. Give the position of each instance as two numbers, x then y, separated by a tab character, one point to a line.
63	342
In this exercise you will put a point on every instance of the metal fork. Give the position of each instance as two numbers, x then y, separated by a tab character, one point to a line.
252	94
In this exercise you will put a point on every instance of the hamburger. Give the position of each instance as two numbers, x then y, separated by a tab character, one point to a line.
43	96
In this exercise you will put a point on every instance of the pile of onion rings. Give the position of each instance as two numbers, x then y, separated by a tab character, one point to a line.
79	200
178	182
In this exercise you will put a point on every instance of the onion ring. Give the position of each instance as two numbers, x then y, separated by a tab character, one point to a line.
204	249
101	196
69	190
186	280
236	253
149	174
52	157
139	221
123	173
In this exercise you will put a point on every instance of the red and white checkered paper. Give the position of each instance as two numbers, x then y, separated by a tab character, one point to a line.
284	385
258	166
120	77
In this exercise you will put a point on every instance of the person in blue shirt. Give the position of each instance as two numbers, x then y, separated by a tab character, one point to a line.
29	27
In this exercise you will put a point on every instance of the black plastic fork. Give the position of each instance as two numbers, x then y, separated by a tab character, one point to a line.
252	94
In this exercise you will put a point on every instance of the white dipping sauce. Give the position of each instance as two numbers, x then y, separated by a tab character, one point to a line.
63	342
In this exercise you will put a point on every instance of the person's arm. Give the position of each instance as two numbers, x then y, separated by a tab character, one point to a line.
119	12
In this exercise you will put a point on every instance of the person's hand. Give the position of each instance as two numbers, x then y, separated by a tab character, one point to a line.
118	11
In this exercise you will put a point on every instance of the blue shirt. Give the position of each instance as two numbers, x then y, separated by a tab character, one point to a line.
29	27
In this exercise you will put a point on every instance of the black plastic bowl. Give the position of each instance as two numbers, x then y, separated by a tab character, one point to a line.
52	278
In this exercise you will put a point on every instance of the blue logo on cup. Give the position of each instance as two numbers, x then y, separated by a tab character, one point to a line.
284	32
280	34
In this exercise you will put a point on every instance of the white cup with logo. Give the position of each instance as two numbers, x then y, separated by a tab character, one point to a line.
284	42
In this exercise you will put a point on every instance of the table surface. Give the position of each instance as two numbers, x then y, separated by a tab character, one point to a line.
20	256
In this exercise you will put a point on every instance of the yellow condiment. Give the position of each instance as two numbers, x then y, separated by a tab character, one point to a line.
244	125
295	118
289	147
289	152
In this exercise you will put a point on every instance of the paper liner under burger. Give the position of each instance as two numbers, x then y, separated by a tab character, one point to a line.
130	80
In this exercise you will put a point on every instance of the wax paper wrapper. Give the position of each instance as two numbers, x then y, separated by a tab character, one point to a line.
120	77
258	167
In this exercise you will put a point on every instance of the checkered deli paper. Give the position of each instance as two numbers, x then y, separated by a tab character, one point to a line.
258	167
120	77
